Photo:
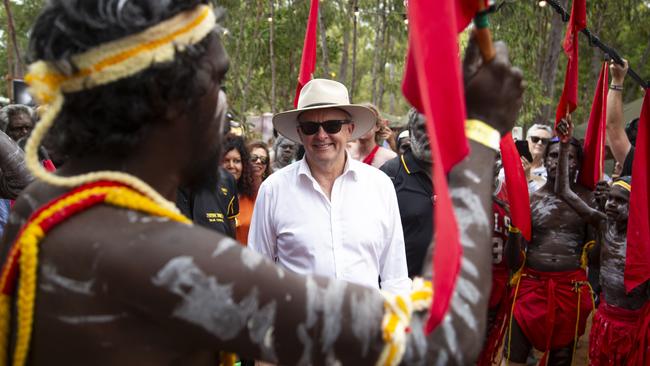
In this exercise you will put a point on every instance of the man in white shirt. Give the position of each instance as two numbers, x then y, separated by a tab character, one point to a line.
329	214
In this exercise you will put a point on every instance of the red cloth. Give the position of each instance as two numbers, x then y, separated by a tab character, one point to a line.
640	353
368	159
49	166
546	307
613	333
465	12
500	273
517	186
308	61
569	98
444	108
593	161
637	263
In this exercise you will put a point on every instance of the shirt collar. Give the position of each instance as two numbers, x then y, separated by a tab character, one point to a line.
351	167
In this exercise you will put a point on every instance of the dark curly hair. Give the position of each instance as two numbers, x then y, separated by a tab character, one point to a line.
114	118
261	145
245	182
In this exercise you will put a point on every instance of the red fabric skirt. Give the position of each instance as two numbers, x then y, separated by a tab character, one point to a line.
640	352
499	287
549	304
613	332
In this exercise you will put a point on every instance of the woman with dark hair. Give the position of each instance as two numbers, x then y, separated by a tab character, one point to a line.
259	166
236	160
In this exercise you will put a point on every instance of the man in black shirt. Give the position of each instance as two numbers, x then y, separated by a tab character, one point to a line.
411	175
212	205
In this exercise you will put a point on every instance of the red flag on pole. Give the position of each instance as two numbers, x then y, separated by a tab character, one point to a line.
444	108
637	262
308	61
569	98
593	161
516	186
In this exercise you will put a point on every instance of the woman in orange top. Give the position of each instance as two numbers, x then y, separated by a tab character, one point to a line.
236	161
260	169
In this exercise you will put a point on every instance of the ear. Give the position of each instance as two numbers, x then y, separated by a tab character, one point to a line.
351	127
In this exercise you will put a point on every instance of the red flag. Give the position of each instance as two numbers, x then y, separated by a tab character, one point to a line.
569	98
308	61
637	261
516	186
593	161
465	12
444	108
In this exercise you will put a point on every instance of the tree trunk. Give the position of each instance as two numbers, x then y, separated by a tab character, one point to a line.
354	54
257	30
382	69
346	10
376	53
14	47
271	55
323	42
549	70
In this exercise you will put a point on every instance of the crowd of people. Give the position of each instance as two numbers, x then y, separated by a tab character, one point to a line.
155	234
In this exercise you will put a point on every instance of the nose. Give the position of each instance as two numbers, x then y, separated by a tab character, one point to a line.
321	134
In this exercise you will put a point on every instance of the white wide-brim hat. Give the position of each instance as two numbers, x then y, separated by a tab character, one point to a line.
319	94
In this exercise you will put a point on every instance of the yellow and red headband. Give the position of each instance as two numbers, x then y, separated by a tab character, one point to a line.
102	65
623	184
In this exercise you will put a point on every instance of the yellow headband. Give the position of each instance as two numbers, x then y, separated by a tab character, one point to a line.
104	64
624	184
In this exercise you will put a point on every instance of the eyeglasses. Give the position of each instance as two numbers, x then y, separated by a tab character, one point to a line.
262	159
537	140
331	127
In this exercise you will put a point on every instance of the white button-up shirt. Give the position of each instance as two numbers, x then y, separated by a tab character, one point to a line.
356	236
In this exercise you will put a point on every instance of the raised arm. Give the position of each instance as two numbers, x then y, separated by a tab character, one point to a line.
563	180
14	176
616	136
493	94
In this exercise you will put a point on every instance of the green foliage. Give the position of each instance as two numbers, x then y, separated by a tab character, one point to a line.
381	49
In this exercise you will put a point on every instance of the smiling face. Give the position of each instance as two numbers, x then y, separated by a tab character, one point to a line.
617	207
322	148
232	163
537	142
259	161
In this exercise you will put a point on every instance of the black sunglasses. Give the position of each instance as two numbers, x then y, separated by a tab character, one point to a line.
262	159
331	127
536	140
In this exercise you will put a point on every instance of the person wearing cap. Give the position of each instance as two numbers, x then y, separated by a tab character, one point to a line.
403	141
327	213
410	173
